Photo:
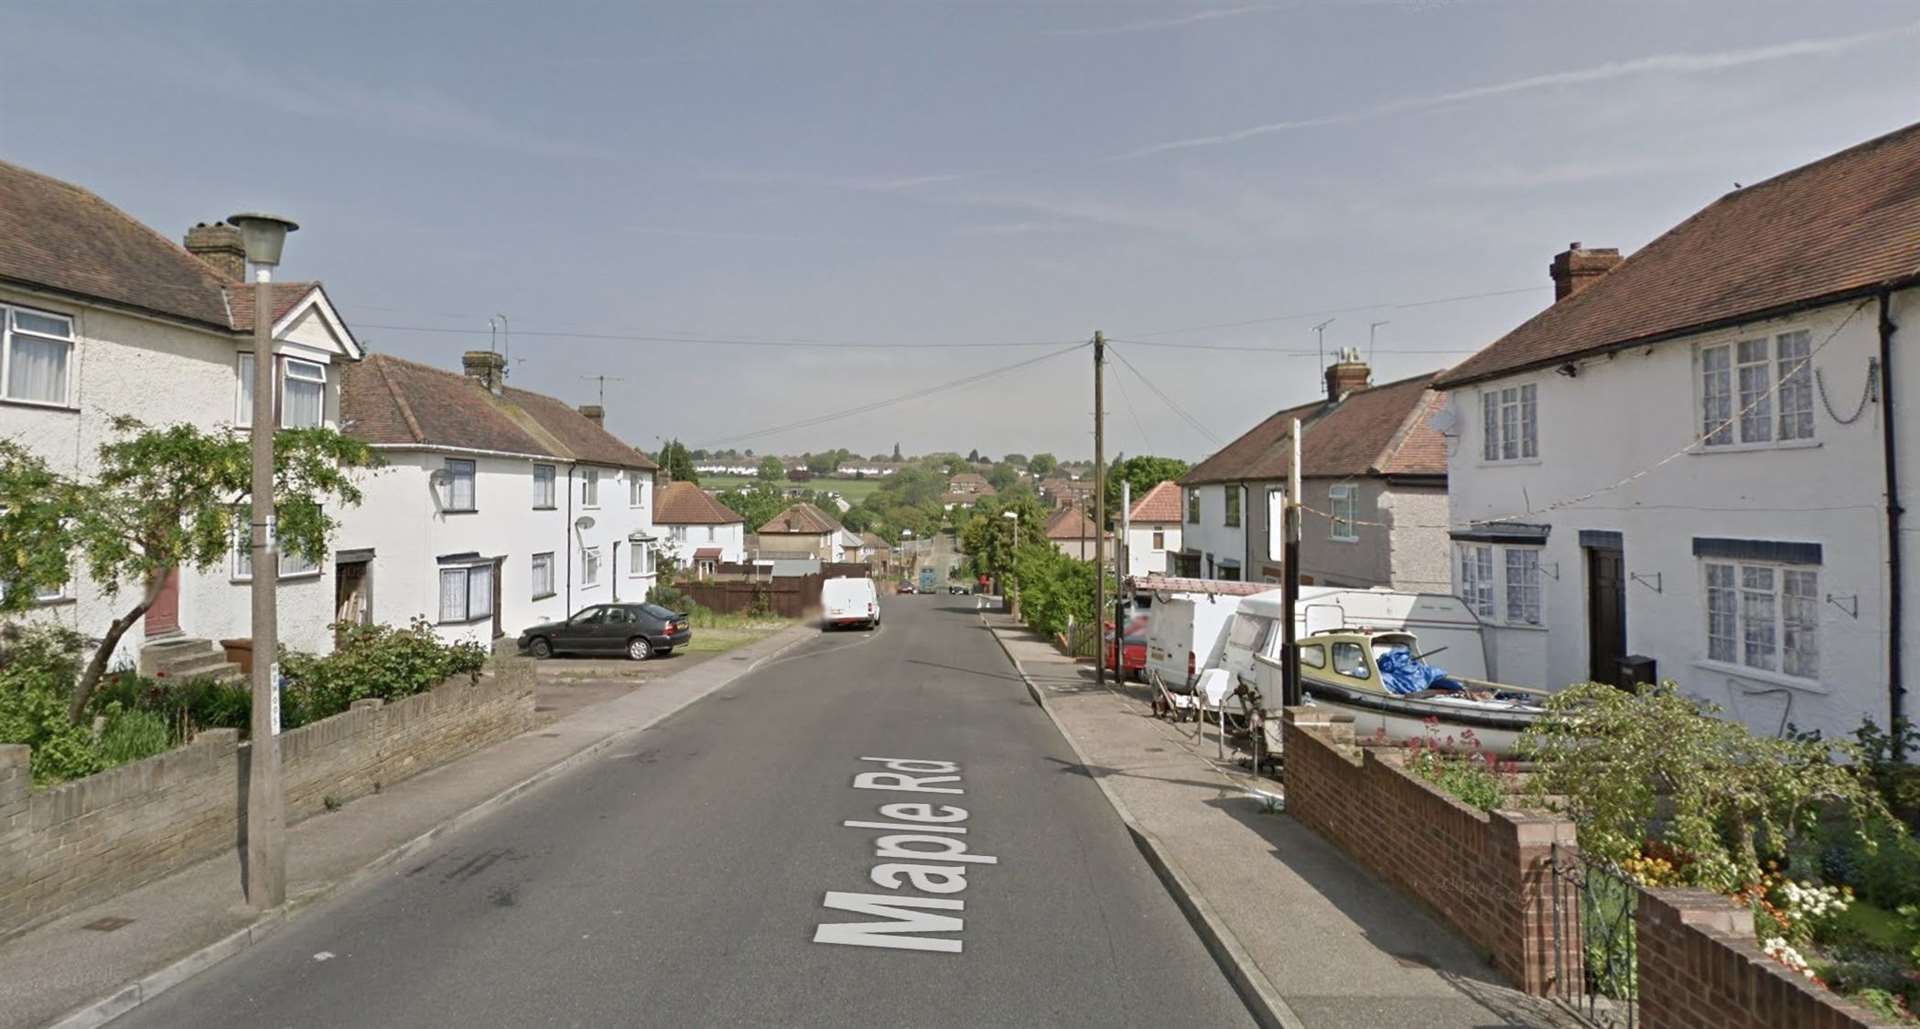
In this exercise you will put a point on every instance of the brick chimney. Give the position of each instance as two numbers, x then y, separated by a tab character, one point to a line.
487	367
219	246
1347	373
1578	267
595	414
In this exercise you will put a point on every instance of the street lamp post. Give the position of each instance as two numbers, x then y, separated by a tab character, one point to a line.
262	236
1013	588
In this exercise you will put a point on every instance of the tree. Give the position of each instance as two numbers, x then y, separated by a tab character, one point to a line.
973	457
896	451
1002	477
678	462
1016	460
1141	473
756	504
990	538
772	469
163	499
823	464
1042	465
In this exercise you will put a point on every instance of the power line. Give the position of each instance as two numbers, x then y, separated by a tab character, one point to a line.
1133	413
807	423
1177	409
727	341
1281	351
1345	310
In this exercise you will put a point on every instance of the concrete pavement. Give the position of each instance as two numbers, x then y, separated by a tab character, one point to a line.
683	876
171	928
1335	947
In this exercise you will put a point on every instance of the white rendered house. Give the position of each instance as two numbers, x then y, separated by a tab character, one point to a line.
1687	457
1153	530
698	532
101	317
499	508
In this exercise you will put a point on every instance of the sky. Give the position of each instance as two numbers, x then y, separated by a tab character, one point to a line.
962	191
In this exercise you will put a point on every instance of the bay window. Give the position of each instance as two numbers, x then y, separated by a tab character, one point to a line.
1476	578
300	392
466	593
1502	584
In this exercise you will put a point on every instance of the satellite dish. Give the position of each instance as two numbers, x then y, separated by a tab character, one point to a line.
583	523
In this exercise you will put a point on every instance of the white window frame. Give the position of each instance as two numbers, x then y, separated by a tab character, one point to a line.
9	329
636	489
544	498
1779	387
452	478
1476	565
1763	617
1510	424
1230	514
533	575
286	377
678	532
590	488
242	558
465	571
1523	597
1340	497
589	567
639	561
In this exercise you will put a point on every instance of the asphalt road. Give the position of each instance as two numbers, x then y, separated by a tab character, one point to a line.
680	880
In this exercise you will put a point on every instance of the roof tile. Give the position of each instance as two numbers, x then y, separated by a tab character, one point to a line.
685	503
1382	430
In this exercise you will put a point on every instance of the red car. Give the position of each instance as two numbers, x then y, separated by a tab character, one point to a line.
1132	660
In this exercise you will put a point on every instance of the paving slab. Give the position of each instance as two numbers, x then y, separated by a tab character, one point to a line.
178	925
1336	946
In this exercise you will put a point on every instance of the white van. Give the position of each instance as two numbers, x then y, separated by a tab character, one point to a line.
849	602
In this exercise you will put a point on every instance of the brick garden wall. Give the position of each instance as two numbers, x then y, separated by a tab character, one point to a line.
1700	969
83	841
1487	875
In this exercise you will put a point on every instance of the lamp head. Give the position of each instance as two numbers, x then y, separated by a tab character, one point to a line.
262	235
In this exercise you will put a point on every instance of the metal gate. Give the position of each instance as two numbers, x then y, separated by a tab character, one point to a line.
1595	974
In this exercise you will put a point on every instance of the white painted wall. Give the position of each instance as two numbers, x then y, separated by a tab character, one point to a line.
682	540
1143	558
1610	446
162	374
1212	536
404	522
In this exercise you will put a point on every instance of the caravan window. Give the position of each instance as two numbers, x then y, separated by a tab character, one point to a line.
1313	656
1248	631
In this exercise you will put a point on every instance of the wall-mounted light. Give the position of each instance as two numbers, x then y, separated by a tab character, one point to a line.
1570	370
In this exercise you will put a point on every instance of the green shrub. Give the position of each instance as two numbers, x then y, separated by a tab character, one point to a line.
186	706
38	667
669	596
372	661
132	734
1461	768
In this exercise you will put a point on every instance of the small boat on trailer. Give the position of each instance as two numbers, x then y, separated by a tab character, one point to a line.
1381	680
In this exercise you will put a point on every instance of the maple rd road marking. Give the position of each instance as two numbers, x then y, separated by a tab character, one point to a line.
922	849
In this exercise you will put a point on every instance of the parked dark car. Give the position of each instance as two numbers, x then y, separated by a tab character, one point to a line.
639	631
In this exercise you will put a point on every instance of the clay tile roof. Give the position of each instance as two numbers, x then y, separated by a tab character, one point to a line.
1161	504
393	402
803	519
1071	523
60	237
683	503
873	540
1840	226
707	552
285	296
1382	430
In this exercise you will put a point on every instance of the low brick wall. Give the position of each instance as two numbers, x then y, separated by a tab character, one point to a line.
1486	875
1700	969
86	840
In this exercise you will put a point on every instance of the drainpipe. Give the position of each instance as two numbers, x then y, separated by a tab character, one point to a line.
1896	688
567	531
613	576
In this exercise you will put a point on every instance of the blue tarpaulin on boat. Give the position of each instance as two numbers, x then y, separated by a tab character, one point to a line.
1402	673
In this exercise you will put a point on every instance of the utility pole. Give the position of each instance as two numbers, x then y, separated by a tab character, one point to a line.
1100	507
1290	695
1320	348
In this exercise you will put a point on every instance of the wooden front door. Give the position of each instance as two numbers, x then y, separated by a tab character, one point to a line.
164	616
1606	614
353	593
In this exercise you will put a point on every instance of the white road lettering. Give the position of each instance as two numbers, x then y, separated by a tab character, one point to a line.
920	852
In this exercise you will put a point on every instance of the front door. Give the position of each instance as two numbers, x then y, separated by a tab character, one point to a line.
1606	614
352	593
163	618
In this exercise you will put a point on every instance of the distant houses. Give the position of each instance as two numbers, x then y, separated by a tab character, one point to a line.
802	531
699	533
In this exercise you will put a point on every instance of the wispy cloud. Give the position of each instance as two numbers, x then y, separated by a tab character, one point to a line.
1670	64
1177	21
851	183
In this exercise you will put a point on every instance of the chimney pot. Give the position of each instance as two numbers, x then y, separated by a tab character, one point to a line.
220	248
1347	374
1578	267
487	367
594	413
